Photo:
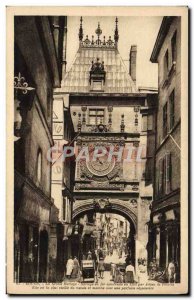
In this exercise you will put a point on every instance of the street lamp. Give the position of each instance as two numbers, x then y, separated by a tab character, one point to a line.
20	85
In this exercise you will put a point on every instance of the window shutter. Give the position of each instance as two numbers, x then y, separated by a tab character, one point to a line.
164	176
160	176
168	172
172	95
144	123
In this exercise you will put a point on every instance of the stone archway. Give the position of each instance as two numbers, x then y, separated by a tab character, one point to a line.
127	209
124	208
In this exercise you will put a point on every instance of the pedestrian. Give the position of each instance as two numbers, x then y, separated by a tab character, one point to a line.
142	271
171	272
130	273
153	268
101	267
69	267
89	256
100	254
76	268
95	259
113	270
119	274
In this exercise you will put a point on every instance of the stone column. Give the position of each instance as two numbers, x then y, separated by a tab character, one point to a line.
158	245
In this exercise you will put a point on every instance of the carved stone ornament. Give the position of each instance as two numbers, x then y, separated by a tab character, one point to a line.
101	203
98	43
133	202
100	128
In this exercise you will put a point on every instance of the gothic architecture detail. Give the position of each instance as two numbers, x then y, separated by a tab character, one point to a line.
101	204
98	43
106	111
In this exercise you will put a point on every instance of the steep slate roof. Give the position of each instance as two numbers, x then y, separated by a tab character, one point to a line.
118	80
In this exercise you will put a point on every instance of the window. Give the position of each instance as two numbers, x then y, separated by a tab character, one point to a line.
166	65
161	177
39	167
165	127
97	85
172	115
173	47
164	175
96	116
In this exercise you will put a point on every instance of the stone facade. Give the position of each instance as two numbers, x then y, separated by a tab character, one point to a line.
165	221
107	110
37	59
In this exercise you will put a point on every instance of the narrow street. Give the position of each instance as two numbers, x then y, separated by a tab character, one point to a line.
106	279
87	178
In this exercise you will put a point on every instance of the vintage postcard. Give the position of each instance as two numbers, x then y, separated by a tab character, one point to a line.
97	167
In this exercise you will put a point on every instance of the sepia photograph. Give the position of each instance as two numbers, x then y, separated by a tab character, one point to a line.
97	201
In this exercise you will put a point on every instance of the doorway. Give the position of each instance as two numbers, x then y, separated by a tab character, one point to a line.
43	256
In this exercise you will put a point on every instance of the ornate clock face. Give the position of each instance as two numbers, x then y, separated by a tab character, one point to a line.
101	166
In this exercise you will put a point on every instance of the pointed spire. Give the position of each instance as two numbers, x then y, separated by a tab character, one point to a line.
98	32
92	43
104	42
81	31
116	36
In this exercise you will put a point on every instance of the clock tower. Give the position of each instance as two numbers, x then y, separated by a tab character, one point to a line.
114	136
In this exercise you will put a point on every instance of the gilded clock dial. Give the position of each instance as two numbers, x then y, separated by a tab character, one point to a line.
101	166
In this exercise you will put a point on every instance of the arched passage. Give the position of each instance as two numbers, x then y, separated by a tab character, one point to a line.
113	206
89	207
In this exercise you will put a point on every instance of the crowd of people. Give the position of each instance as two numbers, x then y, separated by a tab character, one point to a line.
73	267
169	274
122	272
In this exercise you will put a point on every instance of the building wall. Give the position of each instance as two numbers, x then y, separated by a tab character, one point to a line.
38	142
164	233
36	60
62	169
166	144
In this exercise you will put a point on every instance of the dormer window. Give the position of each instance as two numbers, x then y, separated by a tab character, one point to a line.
97	76
97	85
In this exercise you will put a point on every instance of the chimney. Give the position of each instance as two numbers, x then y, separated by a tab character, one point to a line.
132	62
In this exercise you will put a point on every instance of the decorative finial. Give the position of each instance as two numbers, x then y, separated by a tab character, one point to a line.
98	32
122	123
79	124
116	36
81	30
104	42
